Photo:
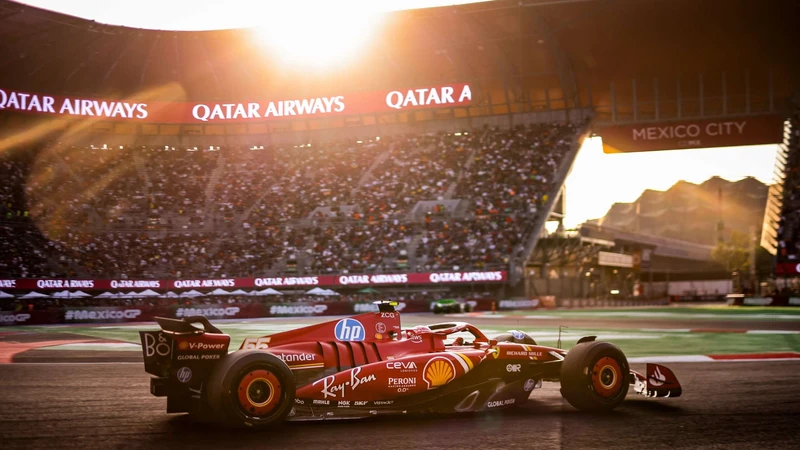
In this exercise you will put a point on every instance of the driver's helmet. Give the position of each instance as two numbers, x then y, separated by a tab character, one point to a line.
421	329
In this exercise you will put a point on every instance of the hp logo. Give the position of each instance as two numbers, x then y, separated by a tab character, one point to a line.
349	330
184	374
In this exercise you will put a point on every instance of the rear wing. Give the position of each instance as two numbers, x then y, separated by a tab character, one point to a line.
182	326
179	344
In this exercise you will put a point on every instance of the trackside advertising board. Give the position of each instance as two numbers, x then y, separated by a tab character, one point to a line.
787	268
384	279
255	110
686	134
243	310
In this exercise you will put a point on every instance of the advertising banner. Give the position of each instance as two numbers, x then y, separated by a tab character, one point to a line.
110	314
255	110
498	276
521	304
148	313
685	134
215	312
787	269
9	318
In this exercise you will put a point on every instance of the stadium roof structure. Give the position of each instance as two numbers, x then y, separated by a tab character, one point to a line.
519	56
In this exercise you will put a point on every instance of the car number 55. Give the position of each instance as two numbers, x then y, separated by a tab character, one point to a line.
255	344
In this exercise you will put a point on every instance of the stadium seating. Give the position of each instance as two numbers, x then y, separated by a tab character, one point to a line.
789	224
340	207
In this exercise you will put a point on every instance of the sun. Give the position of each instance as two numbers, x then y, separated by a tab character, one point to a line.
328	36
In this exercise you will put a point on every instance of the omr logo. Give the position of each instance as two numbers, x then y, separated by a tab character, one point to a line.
349	330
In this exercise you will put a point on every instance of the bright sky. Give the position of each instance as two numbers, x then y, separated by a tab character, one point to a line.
599	180
220	14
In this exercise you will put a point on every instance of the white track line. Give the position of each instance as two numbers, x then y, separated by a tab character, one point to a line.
671	358
666	330
772	332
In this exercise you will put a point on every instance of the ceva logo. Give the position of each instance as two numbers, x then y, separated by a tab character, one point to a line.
349	330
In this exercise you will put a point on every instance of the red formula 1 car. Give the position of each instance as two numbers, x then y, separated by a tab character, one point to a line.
367	365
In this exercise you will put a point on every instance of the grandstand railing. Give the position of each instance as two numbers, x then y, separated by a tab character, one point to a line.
772	213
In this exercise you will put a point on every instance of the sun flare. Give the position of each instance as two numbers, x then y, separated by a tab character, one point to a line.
327	37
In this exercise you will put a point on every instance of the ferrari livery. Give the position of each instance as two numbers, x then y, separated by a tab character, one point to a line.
367	365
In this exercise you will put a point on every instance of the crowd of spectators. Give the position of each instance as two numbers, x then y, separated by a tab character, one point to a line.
359	247
101	212
314	176
417	168
482	243
789	225
177	178
514	169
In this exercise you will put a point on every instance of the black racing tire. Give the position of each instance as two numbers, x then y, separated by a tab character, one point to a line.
252	389
595	376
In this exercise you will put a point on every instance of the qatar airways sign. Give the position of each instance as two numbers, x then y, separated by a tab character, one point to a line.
496	276
250	111
286	281
135	284
193	284
66	106
65	284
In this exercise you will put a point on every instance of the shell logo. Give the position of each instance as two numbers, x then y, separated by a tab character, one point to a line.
183	345
438	372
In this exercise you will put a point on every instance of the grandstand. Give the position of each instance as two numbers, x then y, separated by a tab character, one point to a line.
445	151
781	231
332	208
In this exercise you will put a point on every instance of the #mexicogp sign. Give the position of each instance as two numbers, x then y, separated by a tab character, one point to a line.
685	134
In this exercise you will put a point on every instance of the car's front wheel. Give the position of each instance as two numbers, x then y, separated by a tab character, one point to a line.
251	389
595	376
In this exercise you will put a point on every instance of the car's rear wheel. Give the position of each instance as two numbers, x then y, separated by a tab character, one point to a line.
595	376
251	389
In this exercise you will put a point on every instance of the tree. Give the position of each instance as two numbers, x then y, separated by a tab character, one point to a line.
734	253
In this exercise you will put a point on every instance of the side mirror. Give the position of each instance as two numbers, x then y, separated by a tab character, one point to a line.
491	343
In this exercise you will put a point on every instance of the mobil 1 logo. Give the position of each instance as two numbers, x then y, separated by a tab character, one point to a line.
349	330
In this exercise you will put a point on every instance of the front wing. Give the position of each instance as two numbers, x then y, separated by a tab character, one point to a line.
658	381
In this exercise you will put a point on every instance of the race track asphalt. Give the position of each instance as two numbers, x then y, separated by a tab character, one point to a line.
90	405
65	399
